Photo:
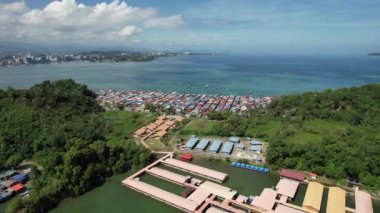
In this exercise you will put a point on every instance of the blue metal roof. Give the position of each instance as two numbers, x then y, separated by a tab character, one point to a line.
234	139
191	143
202	144
239	146
215	146
255	148
227	147
19	177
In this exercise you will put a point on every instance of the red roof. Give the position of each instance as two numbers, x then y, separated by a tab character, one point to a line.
292	174
186	157
18	187
313	174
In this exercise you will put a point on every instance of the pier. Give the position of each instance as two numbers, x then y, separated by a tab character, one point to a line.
196	170
206	196
167	175
161	195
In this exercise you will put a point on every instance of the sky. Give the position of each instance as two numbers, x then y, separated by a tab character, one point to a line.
234	26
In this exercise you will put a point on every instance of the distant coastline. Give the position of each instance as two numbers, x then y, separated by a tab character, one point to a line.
116	56
373	54
92	56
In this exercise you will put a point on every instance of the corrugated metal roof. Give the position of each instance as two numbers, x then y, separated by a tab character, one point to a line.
173	199
198	170
239	146
214	210
266	200
287	209
177	178
227	147
313	196
199	196
255	148
292	174
287	187
255	143
215	146
191	143
336	201
202	144
363	202
19	177
234	139
218	190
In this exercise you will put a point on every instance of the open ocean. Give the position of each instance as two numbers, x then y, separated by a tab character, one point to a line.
259	75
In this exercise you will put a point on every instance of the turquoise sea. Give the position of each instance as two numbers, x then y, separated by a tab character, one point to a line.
230	74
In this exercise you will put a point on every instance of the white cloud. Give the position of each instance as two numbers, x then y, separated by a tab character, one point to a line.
71	21
8	12
14	7
129	31
164	22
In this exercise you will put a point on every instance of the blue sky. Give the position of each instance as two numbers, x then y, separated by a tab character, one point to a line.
241	26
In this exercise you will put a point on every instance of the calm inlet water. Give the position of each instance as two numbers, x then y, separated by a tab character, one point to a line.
113	197
264	75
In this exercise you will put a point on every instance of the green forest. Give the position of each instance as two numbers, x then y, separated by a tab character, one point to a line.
60	126
335	133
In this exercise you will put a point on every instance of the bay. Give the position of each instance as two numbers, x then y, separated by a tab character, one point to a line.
230	74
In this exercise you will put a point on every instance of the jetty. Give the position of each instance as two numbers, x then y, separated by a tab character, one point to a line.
196	170
201	196
204	196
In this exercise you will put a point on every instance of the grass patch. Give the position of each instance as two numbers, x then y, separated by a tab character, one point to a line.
123	123
304	137
264	131
200	127
156	145
313	131
324	126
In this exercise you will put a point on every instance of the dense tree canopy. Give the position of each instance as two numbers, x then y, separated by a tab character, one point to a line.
60	126
350	150
334	133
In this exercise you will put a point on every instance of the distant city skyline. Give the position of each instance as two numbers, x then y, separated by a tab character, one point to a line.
239	26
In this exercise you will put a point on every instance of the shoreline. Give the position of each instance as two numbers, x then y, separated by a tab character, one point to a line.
79	61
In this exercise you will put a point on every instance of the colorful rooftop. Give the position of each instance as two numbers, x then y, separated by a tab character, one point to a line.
313	196
287	187
266	200
218	190
195	169
295	175
171	176
175	200
363	202
336	201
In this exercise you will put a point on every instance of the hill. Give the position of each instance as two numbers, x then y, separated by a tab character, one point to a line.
333	133
61	127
